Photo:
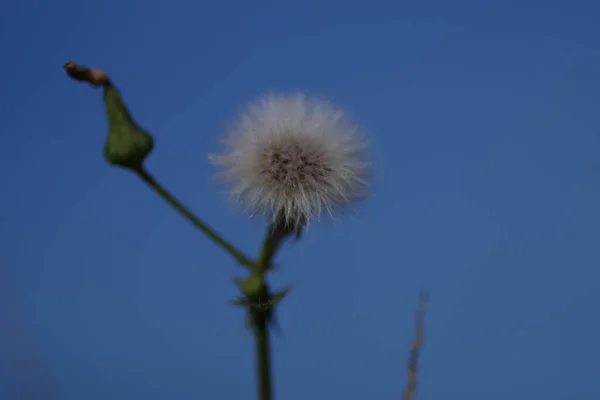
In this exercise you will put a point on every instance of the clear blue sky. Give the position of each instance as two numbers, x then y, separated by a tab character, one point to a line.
483	117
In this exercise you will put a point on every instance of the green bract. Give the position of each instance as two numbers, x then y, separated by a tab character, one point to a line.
127	144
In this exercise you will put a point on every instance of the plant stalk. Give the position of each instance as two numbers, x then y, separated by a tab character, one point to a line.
218	239
263	350
274	238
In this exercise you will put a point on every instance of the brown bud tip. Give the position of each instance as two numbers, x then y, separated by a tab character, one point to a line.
95	77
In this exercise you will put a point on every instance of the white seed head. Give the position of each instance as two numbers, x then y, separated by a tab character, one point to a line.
292	158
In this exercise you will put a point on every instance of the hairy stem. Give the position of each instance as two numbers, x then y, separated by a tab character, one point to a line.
218	239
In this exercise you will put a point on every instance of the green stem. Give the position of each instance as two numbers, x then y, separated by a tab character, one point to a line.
273	239
263	351
238	255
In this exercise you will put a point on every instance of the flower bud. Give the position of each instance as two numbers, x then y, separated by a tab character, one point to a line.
127	144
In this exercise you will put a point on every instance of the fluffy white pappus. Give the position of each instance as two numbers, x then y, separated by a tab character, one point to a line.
293	158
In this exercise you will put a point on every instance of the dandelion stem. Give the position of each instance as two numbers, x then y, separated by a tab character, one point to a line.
273	239
218	239
263	350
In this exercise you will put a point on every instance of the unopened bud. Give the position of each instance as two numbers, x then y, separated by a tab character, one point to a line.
127	144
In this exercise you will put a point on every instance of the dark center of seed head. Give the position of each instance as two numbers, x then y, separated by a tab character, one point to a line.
293	164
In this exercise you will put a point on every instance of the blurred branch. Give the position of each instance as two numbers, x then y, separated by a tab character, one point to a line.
415	350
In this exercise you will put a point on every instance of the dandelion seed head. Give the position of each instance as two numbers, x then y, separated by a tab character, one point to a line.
293	158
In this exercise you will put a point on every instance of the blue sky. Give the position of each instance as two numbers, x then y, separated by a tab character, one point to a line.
483	118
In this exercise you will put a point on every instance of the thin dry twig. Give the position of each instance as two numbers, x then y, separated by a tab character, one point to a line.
95	77
415	350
